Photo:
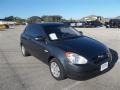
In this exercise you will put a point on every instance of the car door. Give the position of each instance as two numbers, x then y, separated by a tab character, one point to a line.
26	39
38	47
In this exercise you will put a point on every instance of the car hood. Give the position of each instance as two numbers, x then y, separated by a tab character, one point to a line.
83	46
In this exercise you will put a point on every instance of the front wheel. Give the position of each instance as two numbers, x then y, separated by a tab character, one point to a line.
56	69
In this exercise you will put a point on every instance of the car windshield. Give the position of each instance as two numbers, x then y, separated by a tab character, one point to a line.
58	32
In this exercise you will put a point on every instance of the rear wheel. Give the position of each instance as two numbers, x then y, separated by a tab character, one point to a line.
56	69
24	52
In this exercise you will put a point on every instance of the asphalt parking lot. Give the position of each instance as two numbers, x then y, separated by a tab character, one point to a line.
28	73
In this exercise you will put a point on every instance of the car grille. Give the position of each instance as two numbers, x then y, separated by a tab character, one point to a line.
101	57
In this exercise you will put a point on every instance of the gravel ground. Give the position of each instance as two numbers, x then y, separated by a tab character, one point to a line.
28	73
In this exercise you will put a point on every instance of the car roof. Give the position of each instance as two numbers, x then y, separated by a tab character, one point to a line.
49	23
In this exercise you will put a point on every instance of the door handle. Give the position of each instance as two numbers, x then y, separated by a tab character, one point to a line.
45	50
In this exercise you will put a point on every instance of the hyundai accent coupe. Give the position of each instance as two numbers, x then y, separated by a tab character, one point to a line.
67	52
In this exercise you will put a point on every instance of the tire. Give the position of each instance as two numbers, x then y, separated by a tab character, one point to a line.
58	71
24	52
107	27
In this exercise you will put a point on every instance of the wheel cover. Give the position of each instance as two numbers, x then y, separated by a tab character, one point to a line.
55	69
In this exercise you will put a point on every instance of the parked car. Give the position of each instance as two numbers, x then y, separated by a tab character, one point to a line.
77	24
113	23
67	52
73	24
80	24
92	24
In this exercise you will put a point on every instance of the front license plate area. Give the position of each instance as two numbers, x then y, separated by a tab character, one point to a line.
104	66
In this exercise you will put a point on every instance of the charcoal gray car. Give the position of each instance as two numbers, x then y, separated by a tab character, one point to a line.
67	52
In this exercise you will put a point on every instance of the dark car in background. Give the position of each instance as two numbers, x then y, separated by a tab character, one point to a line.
113	23
80	24
75	24
67	52
85	24
93	24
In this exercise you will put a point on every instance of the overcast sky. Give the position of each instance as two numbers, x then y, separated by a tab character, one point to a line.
66	8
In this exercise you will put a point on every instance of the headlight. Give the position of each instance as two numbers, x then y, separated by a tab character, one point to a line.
109	53
75	58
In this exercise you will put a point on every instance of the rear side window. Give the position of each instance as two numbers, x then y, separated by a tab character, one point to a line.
34	30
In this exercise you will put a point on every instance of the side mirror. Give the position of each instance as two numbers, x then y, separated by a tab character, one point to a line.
80	32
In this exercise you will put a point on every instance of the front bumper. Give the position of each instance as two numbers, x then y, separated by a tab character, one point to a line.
86	71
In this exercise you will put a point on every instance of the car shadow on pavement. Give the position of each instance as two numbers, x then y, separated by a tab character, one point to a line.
114	60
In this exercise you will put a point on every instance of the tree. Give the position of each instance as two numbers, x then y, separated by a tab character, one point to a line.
34	19
20	20
54	18
10	18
